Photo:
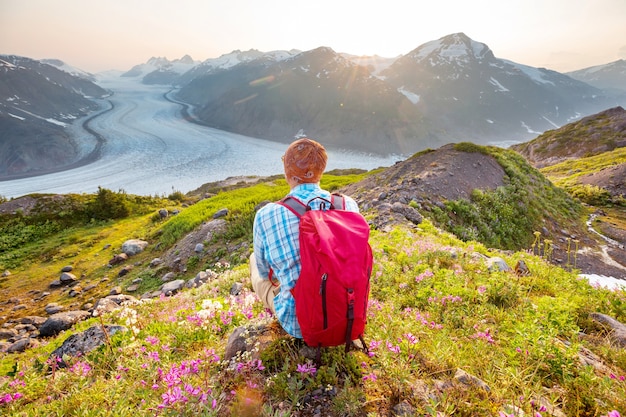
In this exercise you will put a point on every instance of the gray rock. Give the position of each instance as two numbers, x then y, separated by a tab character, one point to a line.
618	329
20	345
53	308
61	321
118	259
34	320
236	288
6	273
116	290
168	277
221	213
496	264
201	278
172	287
67	268
468	379
408	212
403	409
199	248
6	334
155	262
67	278
163	213
81	343
134	246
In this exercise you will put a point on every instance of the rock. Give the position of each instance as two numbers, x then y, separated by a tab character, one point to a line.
172	287
163	213
134	246
201	278
199	248
521	269
118	259
125	270
403	409
34	320
618	329
67	278
116	290
61	321
408	212
6	334
19	307
221	213
168	277
6	273
253	337
497	264
53	308
467	379
236	288
20	345
155	262
81	343
67	268
74	292
132	288
55	284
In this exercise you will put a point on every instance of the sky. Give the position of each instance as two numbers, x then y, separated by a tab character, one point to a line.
99	35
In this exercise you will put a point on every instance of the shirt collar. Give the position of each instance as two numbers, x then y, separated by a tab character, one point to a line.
307	186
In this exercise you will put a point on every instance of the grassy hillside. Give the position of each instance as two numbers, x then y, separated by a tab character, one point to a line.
447	335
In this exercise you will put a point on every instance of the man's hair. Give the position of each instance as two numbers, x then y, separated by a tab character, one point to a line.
305	161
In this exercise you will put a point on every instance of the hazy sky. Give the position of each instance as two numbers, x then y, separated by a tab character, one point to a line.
97	35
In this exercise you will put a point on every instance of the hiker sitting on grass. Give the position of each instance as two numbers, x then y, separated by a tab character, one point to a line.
275	264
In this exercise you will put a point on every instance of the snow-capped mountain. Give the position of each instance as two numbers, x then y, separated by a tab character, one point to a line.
232	59
37	102
470	94
610	76
77	72
160	70
451	89
319	91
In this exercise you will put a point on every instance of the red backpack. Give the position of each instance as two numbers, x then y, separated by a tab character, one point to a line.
332	290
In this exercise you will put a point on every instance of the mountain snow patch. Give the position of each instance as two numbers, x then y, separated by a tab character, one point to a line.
413	98
499	86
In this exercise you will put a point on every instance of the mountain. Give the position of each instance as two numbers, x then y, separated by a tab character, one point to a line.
589	136
466	91
610	76
160	70
450	90
318	91
37	102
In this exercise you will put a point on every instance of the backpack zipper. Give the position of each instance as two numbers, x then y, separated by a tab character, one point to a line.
323	294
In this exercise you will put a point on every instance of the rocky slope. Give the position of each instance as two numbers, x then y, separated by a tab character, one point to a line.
589	136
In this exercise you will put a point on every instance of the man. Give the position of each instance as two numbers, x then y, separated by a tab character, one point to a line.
276	232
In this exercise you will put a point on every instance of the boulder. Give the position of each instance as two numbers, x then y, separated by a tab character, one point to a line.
134	246
53	308
172	287
118	259
67	278
81	343
618	329
58	322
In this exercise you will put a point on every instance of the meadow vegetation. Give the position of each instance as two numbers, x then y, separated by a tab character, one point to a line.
435	310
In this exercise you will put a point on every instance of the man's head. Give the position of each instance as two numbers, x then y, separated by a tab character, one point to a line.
305	161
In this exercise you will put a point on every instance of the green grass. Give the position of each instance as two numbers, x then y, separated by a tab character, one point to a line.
435	309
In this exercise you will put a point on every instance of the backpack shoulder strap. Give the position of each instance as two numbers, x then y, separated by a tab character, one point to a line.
294	205
338	202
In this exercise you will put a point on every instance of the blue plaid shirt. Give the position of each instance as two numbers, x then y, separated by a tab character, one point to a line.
277	246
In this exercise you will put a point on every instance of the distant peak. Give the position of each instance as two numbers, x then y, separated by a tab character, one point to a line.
455	47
